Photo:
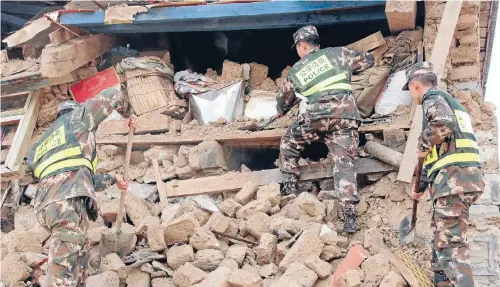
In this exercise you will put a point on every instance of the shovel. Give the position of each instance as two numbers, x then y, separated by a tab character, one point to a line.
120	242
407	225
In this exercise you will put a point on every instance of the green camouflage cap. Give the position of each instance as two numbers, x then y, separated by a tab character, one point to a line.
418	69
303	33
67	105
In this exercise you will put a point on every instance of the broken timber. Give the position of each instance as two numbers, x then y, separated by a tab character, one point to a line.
438	59
112	132
384	153
58	61
368	43
23	134
235	181
157	124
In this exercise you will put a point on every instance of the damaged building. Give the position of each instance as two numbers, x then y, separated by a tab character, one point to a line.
204	206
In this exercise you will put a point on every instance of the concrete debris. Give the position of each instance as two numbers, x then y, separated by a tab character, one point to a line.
162	282
229	263
138	278
218	222
261	205
350	279
208	259
266	249
268	270
375	268
307	245
246	194
180	229
241	278
237	252
14	269
204	239
188	275
330	252
106	278
270	192
393	279
136	208
217	278
156	238
179	255
113	262
229	207
322	268
298	272
257	224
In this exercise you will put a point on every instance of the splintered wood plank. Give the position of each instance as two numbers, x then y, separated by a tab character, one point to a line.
157	124
58	61
438	59
24	131
368	43
254	139
234	181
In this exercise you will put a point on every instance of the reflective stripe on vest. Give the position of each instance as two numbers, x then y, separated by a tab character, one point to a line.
56	161
329	84
67	163
454	158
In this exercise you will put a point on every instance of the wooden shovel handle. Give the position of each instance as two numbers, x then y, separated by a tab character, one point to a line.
416	184
125	177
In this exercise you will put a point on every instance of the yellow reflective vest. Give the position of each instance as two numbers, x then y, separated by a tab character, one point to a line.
317	74
58	151
466	152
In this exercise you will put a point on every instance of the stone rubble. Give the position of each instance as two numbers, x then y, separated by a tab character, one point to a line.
299	238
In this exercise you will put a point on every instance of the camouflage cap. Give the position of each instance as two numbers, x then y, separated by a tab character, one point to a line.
417	70
303	33
67	105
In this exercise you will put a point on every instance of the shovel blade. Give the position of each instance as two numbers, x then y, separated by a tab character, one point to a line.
121	244
406	230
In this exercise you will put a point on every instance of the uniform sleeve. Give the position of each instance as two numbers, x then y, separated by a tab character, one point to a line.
100	107
440	122
424	181
358	61
286	97
103	181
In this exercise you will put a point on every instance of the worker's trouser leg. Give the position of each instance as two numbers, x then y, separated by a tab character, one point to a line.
450	250
67	222
341	137
342	145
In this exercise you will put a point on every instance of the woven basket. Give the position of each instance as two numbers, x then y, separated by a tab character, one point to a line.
149	90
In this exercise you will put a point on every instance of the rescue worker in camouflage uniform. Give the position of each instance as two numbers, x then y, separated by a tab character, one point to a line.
64	160
323	77
451	171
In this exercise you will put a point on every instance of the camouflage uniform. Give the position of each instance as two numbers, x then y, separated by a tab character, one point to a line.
331	116
65	202
453	188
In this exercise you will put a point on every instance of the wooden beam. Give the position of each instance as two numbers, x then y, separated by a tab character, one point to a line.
368	43
62	35
269	138
381	127
35	31
438	59
384	153
156	124
234	181
57	61
24	132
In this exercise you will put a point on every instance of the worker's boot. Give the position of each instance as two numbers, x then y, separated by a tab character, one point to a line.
440	279
289	184
350	225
